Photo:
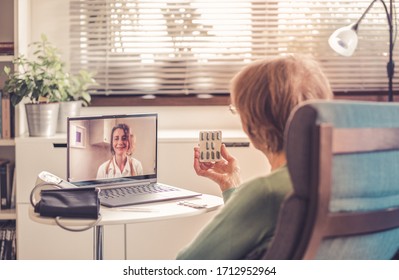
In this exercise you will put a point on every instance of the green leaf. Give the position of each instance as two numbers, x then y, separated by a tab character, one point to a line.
15	99
43	37
44	75
7	70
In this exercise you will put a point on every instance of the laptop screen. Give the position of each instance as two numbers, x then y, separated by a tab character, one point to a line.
104	149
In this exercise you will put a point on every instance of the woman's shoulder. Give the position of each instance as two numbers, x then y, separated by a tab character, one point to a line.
266	192
278	182
134	160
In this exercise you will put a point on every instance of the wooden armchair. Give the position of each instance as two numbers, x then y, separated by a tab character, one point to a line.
343	158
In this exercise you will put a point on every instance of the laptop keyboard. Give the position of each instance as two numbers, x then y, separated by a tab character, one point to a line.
134	190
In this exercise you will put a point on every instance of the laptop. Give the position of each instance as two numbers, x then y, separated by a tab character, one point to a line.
118	155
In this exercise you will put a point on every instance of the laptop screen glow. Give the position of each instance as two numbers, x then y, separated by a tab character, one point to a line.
132	155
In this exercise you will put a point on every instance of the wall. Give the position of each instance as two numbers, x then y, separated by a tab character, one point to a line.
51	18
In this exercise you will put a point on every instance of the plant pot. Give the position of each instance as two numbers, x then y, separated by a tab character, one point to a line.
67	109
42	119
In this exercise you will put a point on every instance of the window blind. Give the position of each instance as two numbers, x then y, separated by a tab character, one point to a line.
150	47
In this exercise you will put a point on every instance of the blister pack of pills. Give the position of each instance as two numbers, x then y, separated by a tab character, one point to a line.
192	204
210	143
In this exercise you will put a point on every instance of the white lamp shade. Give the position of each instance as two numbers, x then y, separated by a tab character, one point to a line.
344	40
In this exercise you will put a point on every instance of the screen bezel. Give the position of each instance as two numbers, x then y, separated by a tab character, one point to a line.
151	177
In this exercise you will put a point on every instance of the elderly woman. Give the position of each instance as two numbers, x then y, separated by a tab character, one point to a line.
263	94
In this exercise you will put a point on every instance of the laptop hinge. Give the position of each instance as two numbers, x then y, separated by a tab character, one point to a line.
121	184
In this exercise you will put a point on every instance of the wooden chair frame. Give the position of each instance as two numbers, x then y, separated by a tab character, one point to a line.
325	224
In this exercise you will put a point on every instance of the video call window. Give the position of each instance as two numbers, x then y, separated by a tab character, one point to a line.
96	145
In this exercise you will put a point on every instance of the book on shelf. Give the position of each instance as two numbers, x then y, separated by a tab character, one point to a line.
6	48
13	190
7	240
1	114
7	116
6	183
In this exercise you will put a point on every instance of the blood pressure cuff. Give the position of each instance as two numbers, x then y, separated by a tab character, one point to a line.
81	203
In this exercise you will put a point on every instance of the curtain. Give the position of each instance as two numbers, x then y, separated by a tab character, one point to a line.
148	47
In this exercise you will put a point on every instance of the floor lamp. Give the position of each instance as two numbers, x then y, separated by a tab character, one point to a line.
344	41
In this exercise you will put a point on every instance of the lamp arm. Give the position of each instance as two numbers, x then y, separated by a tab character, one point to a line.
388	14
389	19
390	64
356	25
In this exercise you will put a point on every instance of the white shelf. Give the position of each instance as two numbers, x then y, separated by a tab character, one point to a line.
8	214
6	58
184	135
7	142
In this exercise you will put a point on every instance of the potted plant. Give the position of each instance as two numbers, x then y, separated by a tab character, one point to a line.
77	94
44	81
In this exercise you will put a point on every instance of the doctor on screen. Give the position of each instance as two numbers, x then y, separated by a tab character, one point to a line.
122	164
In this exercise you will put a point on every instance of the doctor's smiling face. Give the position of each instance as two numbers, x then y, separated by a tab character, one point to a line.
120	140
120	144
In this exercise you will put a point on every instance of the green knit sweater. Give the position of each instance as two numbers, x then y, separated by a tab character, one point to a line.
246	222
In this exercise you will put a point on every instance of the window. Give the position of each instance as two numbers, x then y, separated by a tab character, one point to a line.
156	47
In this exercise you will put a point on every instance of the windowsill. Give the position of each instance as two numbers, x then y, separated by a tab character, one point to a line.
215	100
160	100
165	135
186	135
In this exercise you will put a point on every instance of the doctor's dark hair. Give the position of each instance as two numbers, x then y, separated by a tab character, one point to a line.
126	131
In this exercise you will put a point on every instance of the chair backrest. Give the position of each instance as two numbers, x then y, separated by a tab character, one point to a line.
343	159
